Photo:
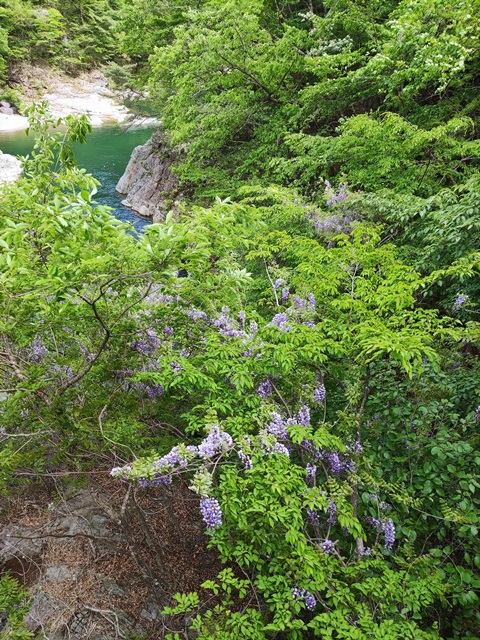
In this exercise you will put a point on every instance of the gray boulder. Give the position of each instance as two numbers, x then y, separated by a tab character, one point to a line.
149	186
6	108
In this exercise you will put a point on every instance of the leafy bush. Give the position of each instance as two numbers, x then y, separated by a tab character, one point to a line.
13	607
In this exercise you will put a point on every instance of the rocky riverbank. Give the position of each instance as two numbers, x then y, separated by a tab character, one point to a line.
149	186
86	94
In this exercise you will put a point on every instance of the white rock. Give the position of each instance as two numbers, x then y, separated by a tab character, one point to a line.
10	168
87	94
12	122
99	108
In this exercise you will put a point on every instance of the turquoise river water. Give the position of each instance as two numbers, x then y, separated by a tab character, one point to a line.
105	155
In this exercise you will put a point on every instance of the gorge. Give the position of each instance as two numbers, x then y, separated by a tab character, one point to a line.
116	133
105	155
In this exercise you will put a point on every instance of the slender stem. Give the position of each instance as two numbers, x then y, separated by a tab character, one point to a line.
271	282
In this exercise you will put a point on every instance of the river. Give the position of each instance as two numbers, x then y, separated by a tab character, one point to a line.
105	156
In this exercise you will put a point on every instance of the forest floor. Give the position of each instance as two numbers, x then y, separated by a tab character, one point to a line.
100	559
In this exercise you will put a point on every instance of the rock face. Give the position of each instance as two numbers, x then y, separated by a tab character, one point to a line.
149	186
10	168
7	108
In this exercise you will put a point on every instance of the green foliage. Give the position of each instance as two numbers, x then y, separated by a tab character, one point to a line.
13	605
365	322
70	35
386	153
225	83
379	93
90	37
145	24
77	286
119	75
116	345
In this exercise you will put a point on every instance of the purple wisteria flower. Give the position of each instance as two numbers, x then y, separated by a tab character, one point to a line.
63	371
265	388
300	303
311	449
373	521
121	472
277	426
153	339
155	297
389	533
336	197
38	351
306	596
280	320
311	300
303	416
339	462
336	465
176	366
154	390
355	449
246	459
311	470
175	457
142	346
308	446
168	331
217	441
211	512
319	393
227	326
313	517
155	482
459	302
310	601
285	295
332	513
328	546
277	284
243	455
196	315
278	447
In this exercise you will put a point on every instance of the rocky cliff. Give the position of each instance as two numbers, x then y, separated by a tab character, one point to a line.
149	186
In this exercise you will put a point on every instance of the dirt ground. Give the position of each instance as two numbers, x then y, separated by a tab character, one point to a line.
97	563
